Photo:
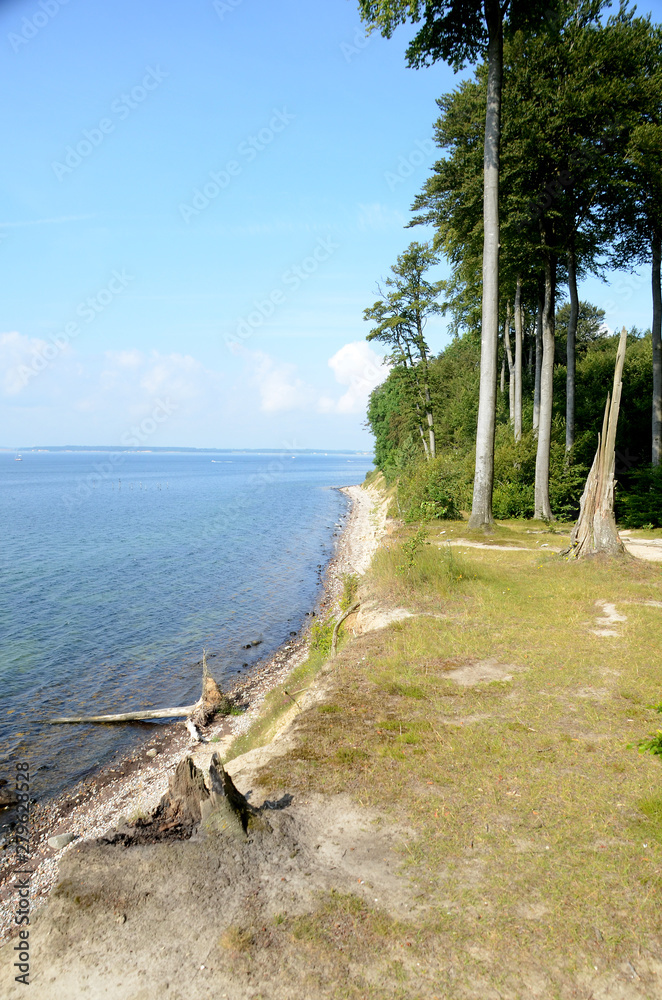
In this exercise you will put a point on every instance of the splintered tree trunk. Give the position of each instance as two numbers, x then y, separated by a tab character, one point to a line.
481	508
542	508
502	384
428	412
517	415
536	383
572	336
511	365
595	530
424	441
656	331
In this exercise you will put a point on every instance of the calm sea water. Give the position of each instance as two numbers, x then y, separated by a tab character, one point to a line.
116	571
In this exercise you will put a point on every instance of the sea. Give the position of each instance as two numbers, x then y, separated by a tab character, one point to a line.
118	569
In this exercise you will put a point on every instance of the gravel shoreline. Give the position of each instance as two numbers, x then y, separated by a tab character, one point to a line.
135	783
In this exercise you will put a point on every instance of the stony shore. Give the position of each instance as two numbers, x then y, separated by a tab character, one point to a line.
136	783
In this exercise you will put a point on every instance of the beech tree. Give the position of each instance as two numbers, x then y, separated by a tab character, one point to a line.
458	31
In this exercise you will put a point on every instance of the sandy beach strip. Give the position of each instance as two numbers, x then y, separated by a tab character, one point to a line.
135	783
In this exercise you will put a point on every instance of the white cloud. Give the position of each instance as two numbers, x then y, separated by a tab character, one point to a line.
360	368
21	357
280	390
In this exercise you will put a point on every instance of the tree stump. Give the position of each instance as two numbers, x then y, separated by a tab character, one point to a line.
595	530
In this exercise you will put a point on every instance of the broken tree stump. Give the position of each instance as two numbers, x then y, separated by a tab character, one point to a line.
595	530
190	806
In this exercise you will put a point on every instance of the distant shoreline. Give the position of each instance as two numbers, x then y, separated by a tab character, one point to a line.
166	450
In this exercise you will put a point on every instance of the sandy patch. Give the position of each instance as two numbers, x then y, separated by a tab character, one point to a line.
483	672
608	620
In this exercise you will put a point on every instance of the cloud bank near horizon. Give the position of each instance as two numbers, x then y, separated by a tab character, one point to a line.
259	400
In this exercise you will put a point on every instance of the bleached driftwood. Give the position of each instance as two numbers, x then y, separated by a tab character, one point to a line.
157	713
595	530
211	701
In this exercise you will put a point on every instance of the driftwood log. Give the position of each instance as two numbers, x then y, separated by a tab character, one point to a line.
595	530
212	701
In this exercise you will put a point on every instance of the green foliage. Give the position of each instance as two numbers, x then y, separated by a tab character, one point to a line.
595	377
412	547
639	503
652	745
430	490
321	635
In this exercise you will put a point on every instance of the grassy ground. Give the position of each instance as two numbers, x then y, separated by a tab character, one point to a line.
538	846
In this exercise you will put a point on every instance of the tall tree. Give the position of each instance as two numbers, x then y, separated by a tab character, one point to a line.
400	317
517	415
459	31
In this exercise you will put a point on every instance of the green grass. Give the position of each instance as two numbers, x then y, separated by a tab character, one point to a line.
528	795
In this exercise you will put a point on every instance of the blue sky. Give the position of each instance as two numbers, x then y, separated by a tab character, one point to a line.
197	201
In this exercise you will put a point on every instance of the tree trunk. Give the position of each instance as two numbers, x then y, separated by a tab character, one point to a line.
481	509
572	336
541	491
517	416
425	444
428	446
511	365
428	414
595	530
502	384
536	383
656	331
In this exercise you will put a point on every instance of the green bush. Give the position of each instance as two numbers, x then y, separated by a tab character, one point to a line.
431	490
321	635
512	500
639	502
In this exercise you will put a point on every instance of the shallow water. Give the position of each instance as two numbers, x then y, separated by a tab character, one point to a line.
116	571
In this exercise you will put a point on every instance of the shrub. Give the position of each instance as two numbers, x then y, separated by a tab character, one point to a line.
639	503
321	635
431	490
350	586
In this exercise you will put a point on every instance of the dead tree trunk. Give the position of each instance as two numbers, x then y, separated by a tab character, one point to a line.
595	530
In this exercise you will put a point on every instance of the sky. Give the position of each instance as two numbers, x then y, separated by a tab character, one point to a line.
197	203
